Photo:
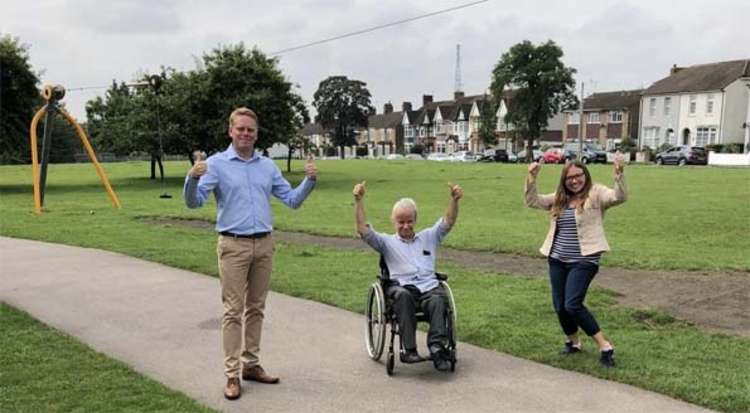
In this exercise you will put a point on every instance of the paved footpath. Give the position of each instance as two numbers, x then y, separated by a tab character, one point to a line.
164	322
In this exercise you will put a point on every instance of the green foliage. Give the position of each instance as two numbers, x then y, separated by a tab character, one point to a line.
191	109
47	371
19	99
488	121
542	86
343	106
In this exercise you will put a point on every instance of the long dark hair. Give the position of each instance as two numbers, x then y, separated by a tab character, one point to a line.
562	195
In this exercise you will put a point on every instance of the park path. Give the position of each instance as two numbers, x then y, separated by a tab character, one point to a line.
164	322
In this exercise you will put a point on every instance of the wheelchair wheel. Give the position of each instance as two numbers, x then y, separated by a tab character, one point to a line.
375	321
451	323
390	363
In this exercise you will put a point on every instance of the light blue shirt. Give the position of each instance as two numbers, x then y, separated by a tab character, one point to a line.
243	190
410	262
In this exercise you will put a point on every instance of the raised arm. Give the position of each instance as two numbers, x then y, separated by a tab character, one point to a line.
452	213
618	195
359	208
533	199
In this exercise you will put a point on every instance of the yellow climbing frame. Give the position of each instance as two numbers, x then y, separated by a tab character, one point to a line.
48	93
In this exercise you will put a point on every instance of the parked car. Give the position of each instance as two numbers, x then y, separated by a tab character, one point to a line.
554	155
682	155
592	153
512	157
536	155
394	156
438	156
463	156
494	155
414	157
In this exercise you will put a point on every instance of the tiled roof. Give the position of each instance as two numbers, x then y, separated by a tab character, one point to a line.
385	120
612	100
699	78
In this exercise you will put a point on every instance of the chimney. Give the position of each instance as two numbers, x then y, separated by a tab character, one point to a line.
406	106
426	99
675	69
388	108
457	95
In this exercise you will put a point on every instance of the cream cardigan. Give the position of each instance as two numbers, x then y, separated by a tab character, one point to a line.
588	221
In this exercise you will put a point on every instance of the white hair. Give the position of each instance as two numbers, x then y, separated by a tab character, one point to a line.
404	204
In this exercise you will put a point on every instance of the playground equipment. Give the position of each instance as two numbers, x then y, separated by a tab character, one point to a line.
54	94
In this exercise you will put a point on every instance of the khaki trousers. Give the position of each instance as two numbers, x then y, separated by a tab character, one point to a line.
245	272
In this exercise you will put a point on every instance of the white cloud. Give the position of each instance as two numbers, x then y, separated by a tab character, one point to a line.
614	44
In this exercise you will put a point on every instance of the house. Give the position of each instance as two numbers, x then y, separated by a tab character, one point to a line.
608	118
385	132
508	136
697	105
317	136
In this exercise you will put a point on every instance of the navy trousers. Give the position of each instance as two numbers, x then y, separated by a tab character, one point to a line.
570	281
434	303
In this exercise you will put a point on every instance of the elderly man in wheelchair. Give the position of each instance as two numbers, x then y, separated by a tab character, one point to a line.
411	285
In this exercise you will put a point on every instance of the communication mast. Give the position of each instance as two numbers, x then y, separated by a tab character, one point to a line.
459	86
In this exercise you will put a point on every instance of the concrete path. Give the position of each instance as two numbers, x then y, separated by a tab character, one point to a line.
164	322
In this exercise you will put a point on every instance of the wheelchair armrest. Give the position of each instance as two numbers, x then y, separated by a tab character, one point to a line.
441	276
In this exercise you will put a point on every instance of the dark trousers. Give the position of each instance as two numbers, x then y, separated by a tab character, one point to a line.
570	281
434	303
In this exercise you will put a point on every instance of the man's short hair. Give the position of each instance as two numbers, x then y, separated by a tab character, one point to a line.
243	111
404	203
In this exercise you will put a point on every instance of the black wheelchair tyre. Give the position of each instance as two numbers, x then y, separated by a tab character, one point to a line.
375	321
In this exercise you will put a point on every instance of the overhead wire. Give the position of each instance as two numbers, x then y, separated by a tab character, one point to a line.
339	37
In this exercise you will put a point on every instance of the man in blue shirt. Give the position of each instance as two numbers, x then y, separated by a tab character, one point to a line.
410	259
243	183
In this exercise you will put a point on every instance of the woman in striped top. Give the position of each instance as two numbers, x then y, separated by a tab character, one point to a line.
575	242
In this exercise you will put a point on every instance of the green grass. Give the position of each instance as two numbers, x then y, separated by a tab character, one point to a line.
44	370
675	218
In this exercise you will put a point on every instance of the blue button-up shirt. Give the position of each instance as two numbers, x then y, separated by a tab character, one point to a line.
410	262
243	190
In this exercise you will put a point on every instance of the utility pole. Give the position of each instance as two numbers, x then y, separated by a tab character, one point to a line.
458	85
580	127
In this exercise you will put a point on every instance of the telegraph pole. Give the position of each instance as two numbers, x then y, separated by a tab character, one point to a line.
580	127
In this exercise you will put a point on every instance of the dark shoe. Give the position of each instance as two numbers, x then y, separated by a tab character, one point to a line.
232	390
410	356
570	348
607	358
440	359
256	373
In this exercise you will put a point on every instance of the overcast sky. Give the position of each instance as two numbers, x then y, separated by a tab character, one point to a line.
614	45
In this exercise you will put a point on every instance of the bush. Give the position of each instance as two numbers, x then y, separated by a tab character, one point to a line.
734	148
362	151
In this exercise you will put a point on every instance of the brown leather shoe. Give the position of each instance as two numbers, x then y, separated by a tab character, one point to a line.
256	373
232	390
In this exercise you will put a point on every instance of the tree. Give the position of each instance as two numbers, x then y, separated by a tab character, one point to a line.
542	86
488	121
194	107
343	105
19	99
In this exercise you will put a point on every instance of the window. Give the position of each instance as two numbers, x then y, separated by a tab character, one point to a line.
710	105
705	135
574	118
693	105
615	116
593	117
667	105
651	136
652	107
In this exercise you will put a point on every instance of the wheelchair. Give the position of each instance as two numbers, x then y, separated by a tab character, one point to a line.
380	316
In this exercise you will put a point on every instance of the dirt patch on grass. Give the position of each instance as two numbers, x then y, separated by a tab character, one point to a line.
718	301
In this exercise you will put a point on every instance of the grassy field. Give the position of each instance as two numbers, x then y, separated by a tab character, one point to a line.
44	370
707	230
675	218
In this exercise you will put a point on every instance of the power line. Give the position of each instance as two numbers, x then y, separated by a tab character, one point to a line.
330	39
371	29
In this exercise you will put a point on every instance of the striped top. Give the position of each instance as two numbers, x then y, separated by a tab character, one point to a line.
566	246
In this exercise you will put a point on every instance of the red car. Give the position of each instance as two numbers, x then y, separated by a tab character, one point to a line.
553	155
